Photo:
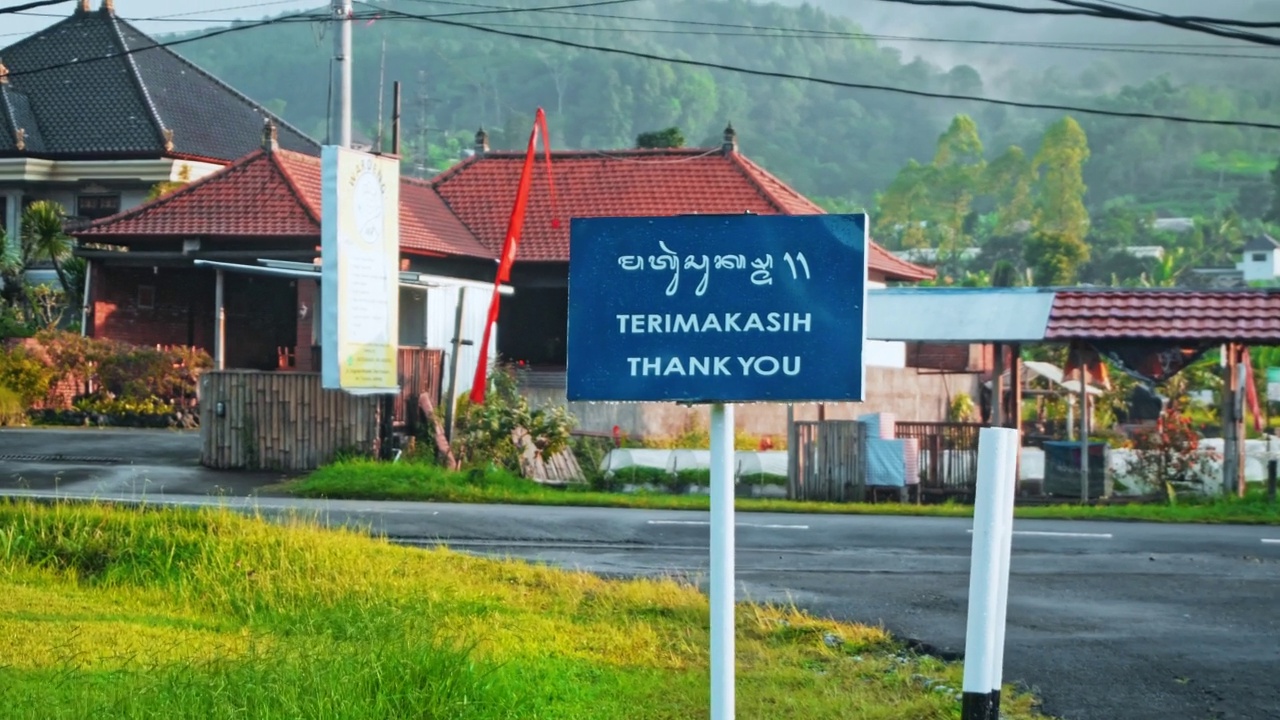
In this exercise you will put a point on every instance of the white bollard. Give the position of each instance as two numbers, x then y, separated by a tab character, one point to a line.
989	572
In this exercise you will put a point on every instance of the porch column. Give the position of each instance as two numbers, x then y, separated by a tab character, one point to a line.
12	219
1227	412
1084	429
997	386
86	302
220	324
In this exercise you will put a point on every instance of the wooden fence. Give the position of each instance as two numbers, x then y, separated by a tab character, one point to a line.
421	371
948	457
828	461
285	422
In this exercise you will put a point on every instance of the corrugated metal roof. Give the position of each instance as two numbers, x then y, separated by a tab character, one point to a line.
965	315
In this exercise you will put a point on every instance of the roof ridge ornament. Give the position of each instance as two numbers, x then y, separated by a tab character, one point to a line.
20	138
168	139
109	7
4	73
84	6
270	135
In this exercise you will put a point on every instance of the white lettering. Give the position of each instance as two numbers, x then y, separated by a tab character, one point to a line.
655	365
635	363
637	323
674	367
731	322
760	366
700	366
801	320
655	323
774	323
786	366
711	322
722	366
753	323
622	323
746	364
686	323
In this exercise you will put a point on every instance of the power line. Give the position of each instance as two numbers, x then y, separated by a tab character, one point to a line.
810	35
841	33
679	61
1101	11
29	6
843	84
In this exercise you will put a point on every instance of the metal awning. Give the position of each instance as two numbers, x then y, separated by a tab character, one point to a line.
283	268
958	315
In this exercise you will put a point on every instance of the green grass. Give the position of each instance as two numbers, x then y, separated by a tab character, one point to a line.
177	614
368	480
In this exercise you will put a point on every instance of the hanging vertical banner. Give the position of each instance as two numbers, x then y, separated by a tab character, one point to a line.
360	274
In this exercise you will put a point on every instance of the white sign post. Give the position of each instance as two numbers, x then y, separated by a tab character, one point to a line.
722	563
989	573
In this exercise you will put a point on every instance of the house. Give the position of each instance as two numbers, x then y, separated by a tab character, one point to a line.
674	181
250	234
1261	260
93	113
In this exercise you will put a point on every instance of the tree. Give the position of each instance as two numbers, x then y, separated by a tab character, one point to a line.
1008	180
1060	222
905	204
43	238
668	138
12	269
955	180
1273	214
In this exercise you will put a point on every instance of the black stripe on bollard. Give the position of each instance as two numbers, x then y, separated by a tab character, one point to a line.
981	706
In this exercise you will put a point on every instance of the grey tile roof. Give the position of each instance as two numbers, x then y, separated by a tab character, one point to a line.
1260	243
97	86
15	116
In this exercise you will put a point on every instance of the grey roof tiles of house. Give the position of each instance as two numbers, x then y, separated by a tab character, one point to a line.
97	86
1261	243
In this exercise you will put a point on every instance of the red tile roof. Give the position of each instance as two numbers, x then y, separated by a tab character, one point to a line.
277	194
621	184
1220	316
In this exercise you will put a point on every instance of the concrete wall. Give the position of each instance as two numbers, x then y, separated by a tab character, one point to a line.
906	393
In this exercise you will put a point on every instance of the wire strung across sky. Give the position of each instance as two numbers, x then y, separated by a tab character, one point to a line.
11	9
377	12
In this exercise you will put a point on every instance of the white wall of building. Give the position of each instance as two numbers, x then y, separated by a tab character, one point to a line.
877	353
1260	265
442	308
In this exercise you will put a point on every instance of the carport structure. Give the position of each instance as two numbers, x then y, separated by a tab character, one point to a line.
1152	334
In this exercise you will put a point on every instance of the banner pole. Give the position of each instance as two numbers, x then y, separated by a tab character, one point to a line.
722	563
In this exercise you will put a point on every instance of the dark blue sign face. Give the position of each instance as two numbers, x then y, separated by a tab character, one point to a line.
717	308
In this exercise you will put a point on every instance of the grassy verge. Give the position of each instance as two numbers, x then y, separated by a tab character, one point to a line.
181	614
366	480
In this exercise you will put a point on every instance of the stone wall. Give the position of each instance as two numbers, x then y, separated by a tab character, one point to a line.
906	393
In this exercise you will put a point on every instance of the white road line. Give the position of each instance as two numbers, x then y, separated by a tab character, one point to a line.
1040	533
1271	541
752	525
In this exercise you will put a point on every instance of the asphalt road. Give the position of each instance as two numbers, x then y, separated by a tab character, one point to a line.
1106	620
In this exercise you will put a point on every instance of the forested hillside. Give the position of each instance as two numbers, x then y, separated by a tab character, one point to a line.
842	145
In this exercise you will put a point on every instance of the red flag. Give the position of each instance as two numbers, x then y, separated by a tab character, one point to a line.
1251	390
510	245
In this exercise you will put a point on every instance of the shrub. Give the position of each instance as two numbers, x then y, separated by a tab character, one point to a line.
505	426
11	408
123	370
1169	456
25	375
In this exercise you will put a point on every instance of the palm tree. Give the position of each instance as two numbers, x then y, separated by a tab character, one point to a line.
43	238
11	268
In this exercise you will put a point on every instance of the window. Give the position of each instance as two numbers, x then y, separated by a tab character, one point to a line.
97	206
1259	257
146	297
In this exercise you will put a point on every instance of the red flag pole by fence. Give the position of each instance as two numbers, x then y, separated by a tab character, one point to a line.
511	244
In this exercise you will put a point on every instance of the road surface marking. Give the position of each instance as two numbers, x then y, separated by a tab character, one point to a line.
1271	541
1042	533
704	522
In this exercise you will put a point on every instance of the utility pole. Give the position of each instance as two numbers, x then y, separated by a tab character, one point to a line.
342	57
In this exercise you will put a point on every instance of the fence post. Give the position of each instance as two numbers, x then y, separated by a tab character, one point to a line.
989	574
1271	480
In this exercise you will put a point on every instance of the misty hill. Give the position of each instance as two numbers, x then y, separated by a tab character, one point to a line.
827	141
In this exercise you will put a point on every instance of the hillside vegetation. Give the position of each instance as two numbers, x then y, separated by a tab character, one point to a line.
829	142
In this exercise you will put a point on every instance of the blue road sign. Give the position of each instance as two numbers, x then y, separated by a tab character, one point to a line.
717	308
